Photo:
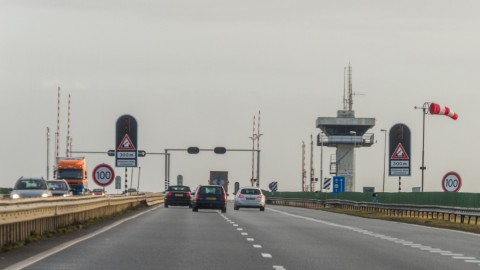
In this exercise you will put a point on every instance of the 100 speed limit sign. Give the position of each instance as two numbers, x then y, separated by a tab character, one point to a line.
103	175
452	182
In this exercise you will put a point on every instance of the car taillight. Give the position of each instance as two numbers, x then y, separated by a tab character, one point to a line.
197	196
225	196
241	196
169	194
260	196
188	194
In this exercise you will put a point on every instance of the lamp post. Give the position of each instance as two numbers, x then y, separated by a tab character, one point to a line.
354	146
384	157
48	153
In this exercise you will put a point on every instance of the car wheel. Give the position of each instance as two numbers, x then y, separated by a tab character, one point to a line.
166	205
224	210
262	208
195	209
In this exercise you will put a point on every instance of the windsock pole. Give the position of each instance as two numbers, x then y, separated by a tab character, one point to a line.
432	108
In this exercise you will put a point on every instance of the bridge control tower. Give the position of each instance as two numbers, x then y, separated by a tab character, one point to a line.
346	133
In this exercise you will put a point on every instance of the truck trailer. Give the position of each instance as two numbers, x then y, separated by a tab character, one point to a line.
219	178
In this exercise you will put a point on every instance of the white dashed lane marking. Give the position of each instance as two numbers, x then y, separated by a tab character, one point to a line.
387	238
264	255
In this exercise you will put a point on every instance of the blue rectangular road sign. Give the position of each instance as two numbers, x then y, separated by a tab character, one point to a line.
338	184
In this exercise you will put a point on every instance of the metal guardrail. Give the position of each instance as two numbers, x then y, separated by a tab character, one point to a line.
447	213
20	219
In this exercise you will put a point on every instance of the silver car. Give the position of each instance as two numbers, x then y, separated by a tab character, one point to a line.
249	197
60	188
30	187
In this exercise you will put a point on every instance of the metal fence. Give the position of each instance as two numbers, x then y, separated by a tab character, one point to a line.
23	218
447	213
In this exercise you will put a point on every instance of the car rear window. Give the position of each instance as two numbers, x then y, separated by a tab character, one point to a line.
179	188
211	190
249	191
57	185
30	184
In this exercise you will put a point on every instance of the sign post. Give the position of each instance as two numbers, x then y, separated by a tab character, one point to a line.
126	153
451	182
273	186
399	152
126	142
103	175
338	184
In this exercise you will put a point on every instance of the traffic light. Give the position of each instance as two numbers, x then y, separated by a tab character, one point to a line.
126	124
193	150
219	150
399	133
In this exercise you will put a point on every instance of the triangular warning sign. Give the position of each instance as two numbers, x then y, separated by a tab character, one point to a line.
126	144
399	153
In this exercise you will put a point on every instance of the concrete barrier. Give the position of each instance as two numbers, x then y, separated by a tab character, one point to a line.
20	219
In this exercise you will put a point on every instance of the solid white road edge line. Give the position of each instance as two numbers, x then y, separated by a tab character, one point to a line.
50	252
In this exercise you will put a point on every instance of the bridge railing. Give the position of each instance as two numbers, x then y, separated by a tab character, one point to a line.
447	213
19	219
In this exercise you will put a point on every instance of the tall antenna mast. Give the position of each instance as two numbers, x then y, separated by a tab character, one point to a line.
57	134
350	88
68	150
347	89
304	172
253	152
258	132
344	89
258	149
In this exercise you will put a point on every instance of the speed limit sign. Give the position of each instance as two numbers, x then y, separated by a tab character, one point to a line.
103	175
451	182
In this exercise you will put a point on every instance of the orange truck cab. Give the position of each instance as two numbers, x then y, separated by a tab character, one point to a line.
74	171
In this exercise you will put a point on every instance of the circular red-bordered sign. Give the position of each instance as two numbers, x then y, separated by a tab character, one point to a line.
451	182
103	175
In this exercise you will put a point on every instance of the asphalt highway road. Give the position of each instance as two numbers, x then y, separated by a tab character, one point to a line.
279	238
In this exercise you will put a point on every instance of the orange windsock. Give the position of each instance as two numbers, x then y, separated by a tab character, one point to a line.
436	108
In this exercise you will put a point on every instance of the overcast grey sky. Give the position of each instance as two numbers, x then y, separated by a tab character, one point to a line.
194	72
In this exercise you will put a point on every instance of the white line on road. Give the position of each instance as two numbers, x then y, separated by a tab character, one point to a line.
250	239
380	236
451	254
257	246
266	255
